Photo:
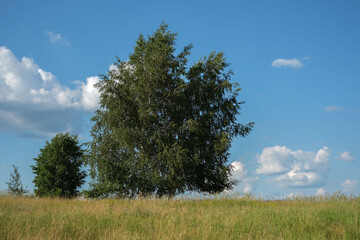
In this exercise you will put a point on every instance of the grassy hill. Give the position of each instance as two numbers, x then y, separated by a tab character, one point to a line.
331	217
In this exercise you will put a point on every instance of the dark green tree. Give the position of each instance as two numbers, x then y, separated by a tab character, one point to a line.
58	167
163	127
15	186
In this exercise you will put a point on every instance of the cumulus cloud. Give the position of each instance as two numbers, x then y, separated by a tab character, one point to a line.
32	99
239	173
334	108
346	157
56	38
273	160
90	95
350	186
292	63
290	168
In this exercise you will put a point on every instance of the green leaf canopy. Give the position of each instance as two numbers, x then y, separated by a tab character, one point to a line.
163	127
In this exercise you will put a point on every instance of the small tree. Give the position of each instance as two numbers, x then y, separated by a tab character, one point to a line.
15	186
58	167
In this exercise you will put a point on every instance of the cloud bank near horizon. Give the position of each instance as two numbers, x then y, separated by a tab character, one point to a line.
245	183
33	100
289	168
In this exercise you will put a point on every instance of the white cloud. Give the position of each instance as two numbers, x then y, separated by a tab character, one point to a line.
294	168
239	173
32	99
56	38
334	108
114	69
46	76
320	192
273	160
90	95
346	157
350	186
291	195
292	63
298	178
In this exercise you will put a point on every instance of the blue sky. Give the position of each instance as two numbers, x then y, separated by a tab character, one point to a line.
297	63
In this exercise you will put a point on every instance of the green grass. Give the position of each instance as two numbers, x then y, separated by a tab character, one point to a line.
332	217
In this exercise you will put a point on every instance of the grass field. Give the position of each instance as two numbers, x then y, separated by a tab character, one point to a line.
332	217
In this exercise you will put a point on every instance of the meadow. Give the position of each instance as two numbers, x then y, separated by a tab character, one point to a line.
329	217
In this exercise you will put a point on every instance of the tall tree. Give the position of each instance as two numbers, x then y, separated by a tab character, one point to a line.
15	186
58	167
163	127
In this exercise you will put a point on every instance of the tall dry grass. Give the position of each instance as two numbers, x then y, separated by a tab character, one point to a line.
331	217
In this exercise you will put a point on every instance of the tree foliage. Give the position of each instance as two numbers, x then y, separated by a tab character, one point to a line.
58	167
163	127
15	186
